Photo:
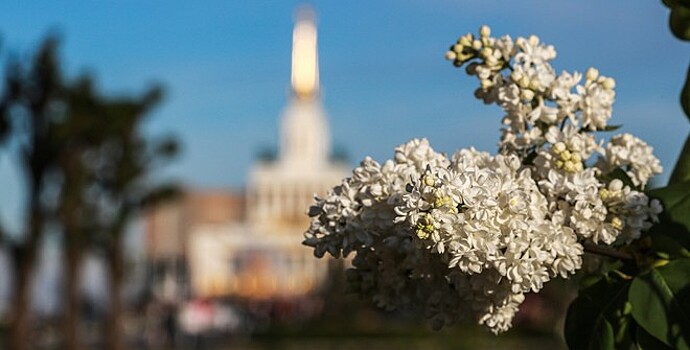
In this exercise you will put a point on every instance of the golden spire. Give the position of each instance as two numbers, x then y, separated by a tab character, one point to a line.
305	64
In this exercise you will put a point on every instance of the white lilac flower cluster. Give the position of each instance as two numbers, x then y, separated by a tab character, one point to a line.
466	236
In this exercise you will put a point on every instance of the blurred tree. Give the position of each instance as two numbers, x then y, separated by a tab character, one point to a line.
88	170
123	166
63	126
80	133
30	109
4	131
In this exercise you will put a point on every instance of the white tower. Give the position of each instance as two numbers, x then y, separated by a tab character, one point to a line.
263	258
280	192
305	142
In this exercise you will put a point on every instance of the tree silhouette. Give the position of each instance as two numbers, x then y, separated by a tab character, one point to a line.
84	132
30	109
123	168
88	168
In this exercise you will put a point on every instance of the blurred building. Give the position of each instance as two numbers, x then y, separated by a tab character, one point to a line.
248	244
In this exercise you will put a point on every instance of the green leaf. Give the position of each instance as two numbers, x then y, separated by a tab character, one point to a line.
668	248
679	21
587	129
611	128
674	220
661	303
681	172
595	313
646	341
582	333
674	3
671	195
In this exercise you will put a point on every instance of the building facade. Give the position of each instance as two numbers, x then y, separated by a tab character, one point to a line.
248	244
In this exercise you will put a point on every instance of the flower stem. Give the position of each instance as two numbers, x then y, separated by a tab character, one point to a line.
593	249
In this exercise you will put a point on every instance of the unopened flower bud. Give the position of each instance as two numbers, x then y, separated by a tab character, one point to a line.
476	44
465	40
526	94
492	62
450	55
609	84
559	147
428	180
485	31
524	82
534	85
569	166
604	194
592	74
422	234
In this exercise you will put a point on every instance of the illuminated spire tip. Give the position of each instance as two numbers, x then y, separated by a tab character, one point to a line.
305	64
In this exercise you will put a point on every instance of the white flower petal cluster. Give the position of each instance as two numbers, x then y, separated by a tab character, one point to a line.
633	155
466	236
361	208
486	215
596	101
550	123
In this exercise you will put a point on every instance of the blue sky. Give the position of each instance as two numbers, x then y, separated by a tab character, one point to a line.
225	66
